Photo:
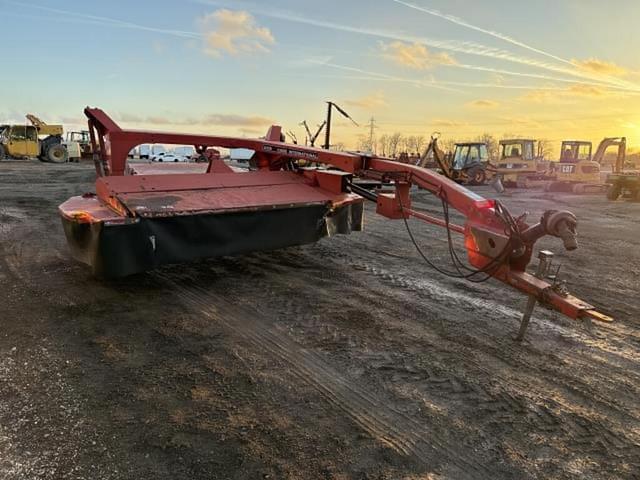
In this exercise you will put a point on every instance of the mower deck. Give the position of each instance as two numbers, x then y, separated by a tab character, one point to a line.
136	223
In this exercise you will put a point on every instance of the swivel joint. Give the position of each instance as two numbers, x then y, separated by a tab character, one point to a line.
561	224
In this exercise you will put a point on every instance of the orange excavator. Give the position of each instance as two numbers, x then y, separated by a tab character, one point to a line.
134	223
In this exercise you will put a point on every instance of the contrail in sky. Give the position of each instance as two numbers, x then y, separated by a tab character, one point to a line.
450	45
462	23
541	77
106	21
506	38
368	75
471	48
382	76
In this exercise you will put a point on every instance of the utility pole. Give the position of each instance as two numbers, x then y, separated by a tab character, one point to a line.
372	127
327	132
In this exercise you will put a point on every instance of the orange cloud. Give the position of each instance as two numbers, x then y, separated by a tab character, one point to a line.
233	33
600	66
368	102
415	55
572	92
483	104
446	123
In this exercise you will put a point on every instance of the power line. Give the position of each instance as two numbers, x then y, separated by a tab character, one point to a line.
372	127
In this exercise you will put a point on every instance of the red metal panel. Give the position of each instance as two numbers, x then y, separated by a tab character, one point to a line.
227	199
330	180
109	186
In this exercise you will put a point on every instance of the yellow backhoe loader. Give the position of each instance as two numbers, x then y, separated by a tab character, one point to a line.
24	141
469	164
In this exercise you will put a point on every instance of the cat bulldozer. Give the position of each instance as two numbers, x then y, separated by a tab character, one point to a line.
39	140
469	164
578	171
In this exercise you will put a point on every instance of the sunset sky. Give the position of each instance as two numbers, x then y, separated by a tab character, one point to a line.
549	69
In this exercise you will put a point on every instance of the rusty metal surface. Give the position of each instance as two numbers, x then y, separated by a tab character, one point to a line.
88	209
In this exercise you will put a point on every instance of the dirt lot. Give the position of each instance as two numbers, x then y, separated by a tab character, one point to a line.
345	359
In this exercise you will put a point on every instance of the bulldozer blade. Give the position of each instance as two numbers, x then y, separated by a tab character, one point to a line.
496	184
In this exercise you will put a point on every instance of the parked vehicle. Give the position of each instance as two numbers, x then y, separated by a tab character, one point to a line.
169	157
156	157
144	151
25	141
184	151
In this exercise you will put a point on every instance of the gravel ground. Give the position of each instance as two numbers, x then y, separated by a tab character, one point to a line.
345	359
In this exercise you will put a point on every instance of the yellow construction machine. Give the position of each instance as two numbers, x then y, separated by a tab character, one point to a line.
24	141
520	165
469	164
580	172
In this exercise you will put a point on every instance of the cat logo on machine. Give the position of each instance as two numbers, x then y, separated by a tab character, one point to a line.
567	168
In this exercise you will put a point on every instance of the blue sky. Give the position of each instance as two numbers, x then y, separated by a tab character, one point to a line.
544	68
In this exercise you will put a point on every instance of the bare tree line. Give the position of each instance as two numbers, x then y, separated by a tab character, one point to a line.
394	144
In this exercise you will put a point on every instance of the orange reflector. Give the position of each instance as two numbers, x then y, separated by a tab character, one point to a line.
81	217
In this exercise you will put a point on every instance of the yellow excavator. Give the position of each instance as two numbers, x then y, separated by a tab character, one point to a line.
578	171
24	141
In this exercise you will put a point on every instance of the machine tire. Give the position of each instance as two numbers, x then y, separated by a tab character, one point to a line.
477	176
613	192
3	153
57	154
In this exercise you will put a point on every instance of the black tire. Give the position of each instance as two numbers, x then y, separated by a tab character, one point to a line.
613	192
3	153
477	176
57	154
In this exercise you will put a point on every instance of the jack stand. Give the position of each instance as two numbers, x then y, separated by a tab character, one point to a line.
545	258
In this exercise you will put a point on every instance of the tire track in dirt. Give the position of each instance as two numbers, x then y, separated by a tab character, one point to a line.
370	412
567	423
594	435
